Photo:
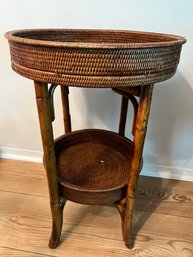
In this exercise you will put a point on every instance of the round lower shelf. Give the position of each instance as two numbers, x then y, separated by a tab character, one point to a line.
93	166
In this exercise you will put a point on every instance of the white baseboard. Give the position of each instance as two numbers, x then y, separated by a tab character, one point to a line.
169	172
150	170
21	154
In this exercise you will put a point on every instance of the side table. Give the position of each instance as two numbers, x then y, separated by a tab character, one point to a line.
93	166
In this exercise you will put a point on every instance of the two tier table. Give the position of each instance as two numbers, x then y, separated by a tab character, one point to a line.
93	166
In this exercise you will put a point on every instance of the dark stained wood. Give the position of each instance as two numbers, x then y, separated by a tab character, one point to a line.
66	109
43	106
131	90
45	119
123	115
93	166
139	139
124	105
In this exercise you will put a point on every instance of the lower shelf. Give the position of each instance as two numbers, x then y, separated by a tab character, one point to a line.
93	166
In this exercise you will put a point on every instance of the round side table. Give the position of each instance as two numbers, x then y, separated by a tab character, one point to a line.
93	166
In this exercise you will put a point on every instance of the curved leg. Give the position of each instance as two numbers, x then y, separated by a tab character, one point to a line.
57	221
66	109
45	119
123	116
126	96
126	207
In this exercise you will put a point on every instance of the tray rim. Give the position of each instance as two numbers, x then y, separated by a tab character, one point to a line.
88	81
90	190
12	37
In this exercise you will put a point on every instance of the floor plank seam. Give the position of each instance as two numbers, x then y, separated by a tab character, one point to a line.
162	220
22	193
162	213
25	251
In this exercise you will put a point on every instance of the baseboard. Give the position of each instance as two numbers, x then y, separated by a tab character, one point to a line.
168	172
20	154
149	170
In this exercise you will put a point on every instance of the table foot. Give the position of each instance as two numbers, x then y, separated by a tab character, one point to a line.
125	208
53	245
127	224
129	245
57	221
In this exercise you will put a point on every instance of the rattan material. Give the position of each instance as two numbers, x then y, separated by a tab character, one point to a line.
94	58
93	166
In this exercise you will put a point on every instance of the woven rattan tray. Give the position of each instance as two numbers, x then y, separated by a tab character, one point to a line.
94	58
93	166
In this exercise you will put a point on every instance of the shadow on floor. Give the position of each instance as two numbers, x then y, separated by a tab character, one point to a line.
168	138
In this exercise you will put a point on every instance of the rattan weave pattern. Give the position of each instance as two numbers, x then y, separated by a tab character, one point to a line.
95	62
92	81
92	66
93	198
93	166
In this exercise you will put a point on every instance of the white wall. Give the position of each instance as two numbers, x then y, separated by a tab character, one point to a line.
169	145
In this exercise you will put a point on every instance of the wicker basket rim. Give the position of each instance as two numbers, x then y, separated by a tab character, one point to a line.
15	36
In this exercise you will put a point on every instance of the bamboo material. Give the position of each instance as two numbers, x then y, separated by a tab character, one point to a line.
93	166
123	116
45	119
126	94
66	109
51	97
139	139
135	91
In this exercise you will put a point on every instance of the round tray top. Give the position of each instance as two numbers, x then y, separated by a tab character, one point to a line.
94	58
93	166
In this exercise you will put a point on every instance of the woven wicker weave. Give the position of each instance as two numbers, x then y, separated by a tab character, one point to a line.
93	166
94	58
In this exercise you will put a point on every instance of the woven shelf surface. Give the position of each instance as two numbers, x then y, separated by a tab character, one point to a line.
93	166
94	58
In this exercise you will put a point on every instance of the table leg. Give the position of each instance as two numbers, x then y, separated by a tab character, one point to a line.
56	203
66	109
138	143
123	115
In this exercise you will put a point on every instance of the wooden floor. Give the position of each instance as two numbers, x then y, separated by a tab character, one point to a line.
163	223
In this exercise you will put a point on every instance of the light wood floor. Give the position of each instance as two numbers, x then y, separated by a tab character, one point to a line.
163	223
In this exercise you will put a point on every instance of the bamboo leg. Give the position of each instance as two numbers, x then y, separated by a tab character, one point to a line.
123	116
139	138
56	204
66	111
